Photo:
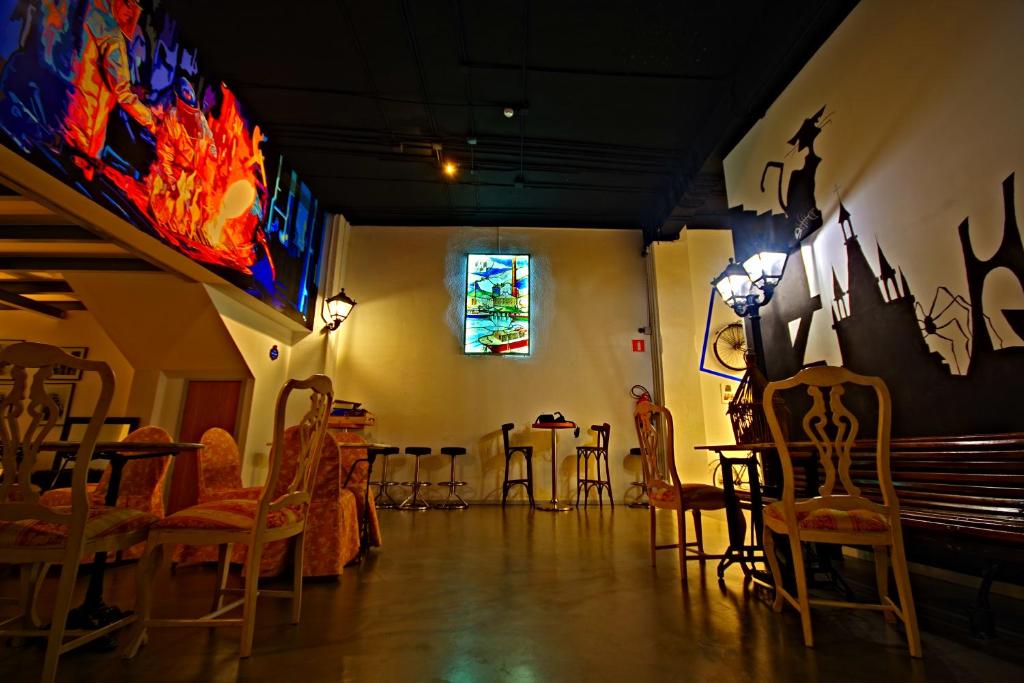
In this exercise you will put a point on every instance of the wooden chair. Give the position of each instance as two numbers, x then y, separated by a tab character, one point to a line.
274	516
33	535
510	450
220	468
666	491
600	482
844	516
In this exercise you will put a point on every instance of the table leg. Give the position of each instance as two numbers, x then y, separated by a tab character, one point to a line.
739	552
94	613
364	526
553	505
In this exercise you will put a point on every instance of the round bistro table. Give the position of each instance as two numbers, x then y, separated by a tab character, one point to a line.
554	505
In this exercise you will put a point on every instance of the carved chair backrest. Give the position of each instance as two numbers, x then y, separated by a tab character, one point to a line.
301	446
645	417
27	416
832	428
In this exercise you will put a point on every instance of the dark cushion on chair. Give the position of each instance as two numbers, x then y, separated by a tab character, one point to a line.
453	450
417	450
384	450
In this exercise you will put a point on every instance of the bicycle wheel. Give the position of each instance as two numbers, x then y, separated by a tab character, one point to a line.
730	346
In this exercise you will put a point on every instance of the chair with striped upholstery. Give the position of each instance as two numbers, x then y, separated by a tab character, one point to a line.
277	514
33	535
840	514
666	491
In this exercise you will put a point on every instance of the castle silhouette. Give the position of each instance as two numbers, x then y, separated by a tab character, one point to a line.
880	333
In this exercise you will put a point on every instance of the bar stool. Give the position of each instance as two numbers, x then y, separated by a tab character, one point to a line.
527	452
383	499
601	481
414	502
642	485
448	503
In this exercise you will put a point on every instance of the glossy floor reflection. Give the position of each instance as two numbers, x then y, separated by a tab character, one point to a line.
521	596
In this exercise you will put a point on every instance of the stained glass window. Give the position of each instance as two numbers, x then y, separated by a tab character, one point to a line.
498	304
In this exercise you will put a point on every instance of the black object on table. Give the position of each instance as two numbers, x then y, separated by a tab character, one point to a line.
94	613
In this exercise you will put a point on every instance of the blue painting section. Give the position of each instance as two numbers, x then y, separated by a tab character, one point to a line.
103	95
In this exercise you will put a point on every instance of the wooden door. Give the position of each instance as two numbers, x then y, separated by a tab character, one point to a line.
208	403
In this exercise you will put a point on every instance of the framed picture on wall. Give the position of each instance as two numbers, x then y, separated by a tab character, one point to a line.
64	373
62	395
5	372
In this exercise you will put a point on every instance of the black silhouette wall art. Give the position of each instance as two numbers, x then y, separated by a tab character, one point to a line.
948	369
883	330
800	206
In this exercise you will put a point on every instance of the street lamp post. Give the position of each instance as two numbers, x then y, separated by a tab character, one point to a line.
746	288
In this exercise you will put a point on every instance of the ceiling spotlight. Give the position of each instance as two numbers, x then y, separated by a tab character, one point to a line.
450	169
509	112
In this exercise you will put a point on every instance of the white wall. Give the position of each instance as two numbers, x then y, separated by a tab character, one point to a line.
684	270
926	107
402	353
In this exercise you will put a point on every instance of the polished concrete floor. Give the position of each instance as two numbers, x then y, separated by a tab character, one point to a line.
530	597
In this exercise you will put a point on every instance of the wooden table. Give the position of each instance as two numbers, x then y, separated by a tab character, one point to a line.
94	612
554	505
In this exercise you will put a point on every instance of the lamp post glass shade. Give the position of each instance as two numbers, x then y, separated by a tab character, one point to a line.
765	268
337	308
734	286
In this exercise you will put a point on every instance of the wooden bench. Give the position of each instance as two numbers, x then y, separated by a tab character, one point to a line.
962	506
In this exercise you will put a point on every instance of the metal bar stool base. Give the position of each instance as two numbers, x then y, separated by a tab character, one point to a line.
452	504
639	502
383	499
414	502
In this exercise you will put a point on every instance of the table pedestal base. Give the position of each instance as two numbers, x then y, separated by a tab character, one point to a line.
554	506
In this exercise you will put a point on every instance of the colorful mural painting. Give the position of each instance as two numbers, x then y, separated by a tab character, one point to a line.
103	95
498	304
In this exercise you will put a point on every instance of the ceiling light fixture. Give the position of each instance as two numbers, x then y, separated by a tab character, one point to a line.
450	169
509	112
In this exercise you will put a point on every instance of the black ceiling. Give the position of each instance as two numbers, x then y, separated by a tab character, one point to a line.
619	105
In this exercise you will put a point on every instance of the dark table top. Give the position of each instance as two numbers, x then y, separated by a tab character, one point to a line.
124	449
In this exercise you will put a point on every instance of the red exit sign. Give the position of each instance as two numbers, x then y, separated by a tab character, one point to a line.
639	345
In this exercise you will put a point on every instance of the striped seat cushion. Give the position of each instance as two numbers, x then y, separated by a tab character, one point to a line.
695	496
828	519
103	523
247	493
226	515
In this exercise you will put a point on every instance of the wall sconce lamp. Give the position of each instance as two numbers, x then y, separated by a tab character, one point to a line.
745	289
336	309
